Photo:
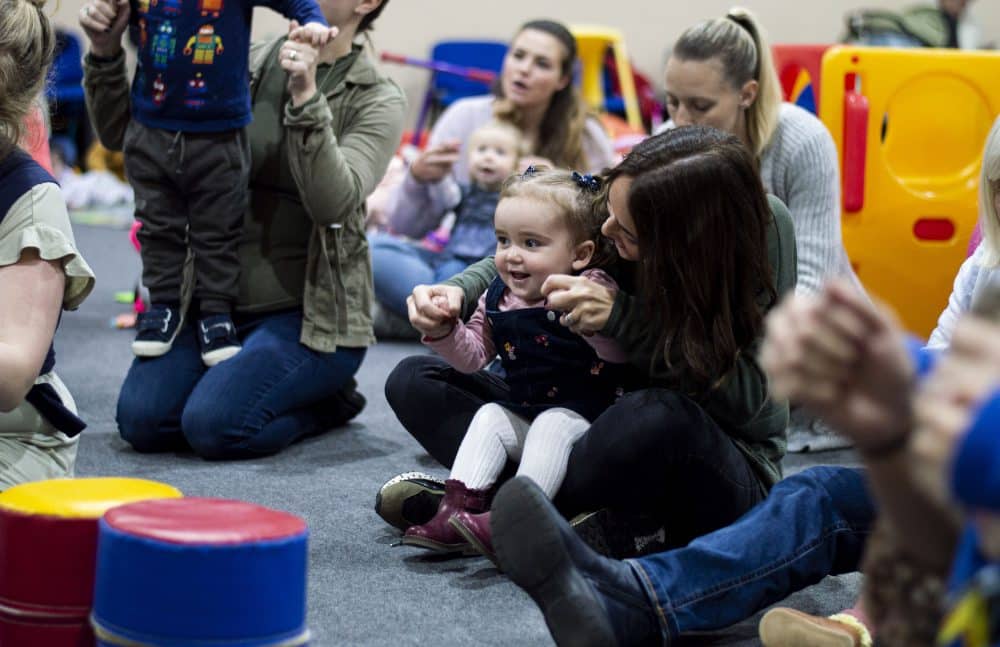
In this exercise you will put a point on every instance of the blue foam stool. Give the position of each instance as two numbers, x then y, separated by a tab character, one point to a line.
200	572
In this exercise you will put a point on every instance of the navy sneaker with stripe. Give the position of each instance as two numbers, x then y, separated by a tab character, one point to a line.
156	329
217	338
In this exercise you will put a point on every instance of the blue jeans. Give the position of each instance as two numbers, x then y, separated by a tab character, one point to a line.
399	266
269	395
811	525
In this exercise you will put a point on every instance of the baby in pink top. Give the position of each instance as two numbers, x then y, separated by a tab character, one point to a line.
547	223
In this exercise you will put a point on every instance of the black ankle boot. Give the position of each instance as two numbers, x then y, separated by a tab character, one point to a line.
345	404
586	599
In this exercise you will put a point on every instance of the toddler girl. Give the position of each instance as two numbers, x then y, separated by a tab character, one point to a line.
547	222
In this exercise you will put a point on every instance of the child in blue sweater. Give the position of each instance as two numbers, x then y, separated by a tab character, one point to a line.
187	154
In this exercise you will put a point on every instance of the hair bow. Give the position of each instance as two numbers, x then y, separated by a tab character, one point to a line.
587	182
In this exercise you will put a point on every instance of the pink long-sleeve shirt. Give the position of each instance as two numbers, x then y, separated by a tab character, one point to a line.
469	346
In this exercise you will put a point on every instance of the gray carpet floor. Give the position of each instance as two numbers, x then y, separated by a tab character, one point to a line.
362	591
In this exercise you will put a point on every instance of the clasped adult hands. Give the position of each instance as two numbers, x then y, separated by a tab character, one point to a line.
299	56
846	360
965	376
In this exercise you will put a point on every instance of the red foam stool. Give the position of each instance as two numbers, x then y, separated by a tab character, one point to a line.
48	549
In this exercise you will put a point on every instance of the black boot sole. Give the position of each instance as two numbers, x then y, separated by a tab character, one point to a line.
530	549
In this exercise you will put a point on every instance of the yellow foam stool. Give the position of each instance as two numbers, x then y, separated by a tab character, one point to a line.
48	551
83	498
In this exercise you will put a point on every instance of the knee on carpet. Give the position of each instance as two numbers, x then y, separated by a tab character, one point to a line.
213	433
144	429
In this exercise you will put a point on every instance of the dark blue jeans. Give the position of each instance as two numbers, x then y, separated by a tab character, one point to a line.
272	393
811	525
398	266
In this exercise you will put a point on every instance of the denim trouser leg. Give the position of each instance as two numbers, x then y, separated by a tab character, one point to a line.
270	394
254	404
153	395
811	525
397	267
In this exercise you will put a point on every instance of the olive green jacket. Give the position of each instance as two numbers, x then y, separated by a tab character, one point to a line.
330	155
740	404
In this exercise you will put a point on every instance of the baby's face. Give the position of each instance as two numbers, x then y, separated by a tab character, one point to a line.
492	157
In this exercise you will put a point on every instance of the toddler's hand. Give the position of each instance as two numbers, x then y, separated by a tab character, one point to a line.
433	309
313	33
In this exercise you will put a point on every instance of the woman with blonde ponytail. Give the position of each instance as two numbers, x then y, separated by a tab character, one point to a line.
41	271
721	74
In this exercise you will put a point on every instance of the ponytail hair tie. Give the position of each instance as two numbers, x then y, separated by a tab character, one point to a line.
587	182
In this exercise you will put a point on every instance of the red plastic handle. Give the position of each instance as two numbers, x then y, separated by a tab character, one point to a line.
855	149
394	58
934	229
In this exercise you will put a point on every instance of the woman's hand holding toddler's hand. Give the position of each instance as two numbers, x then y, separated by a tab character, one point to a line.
299	56
434	309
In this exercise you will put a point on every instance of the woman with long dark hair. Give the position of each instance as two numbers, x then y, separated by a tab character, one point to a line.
707	253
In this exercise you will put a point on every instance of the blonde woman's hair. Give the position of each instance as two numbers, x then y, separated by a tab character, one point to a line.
560	136
989	187
27	43
739	43
578	198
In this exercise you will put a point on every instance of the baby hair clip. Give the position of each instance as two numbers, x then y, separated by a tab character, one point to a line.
588	182
531	171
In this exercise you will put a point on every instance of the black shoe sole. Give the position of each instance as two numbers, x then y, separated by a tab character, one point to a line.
530	549
409	500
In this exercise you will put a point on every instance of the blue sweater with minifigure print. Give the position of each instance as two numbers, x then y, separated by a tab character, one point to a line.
193	60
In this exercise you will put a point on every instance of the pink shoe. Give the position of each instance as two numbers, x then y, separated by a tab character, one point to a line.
475	528
437	534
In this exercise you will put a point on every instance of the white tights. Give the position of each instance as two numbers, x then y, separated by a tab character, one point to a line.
541	447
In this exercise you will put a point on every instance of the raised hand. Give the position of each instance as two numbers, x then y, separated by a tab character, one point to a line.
313	33
434	163
299	57
947	401
846	360
104	22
